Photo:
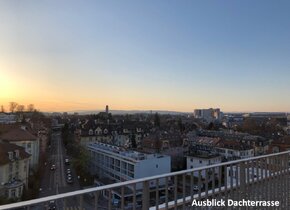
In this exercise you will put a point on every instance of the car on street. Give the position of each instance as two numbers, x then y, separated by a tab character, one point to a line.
51	205
52	167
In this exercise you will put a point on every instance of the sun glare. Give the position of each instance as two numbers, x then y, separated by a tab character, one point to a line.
6	86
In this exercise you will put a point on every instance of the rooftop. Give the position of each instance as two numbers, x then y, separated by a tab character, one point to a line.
204	155
206	140
18	134
123	153
234	145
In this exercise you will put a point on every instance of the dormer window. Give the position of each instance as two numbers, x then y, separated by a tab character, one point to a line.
98	131
91	132
10	154
105	131
17	154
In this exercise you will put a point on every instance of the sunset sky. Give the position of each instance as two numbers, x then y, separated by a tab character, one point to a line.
146	55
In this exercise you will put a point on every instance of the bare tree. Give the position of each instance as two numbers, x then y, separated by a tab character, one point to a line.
12	106
30	107
2	108
20	108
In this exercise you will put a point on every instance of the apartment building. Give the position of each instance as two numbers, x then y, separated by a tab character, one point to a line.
118	164
209	115
14	170
233	150
22	137
6	118
203	159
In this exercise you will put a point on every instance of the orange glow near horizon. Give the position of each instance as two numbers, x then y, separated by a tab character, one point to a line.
55	95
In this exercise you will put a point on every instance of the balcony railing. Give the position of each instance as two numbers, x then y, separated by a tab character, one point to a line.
262	178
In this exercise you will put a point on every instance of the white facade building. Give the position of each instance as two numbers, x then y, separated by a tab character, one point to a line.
235	153
120	165
251	174
6	118
23	138
201	160
209	115
14	170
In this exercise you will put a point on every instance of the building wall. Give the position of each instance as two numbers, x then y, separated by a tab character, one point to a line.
18	170
209	115
231	154
153	166
85	140
31	147
116	168
7	118
197	162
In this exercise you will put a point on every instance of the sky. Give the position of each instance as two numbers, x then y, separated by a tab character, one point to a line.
146	55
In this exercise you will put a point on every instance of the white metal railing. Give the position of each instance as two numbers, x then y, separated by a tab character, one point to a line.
258	178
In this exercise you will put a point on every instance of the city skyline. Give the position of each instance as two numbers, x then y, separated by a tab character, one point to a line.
71	55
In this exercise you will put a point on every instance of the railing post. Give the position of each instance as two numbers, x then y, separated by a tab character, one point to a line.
96	199
145	196
242	180
64	204
81	201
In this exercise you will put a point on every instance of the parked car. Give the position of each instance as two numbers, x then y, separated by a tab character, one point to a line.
69	180
66	161
195	188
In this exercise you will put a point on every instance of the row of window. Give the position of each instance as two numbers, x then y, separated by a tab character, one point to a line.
111	164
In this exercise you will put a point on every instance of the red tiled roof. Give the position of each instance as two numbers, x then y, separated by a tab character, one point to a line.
18	134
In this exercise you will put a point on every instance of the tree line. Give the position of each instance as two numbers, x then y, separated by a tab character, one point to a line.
15	107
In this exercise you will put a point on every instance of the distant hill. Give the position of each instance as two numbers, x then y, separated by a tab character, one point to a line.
123	112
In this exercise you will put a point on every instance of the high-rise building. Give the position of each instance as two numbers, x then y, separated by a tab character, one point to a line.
208	115
107	109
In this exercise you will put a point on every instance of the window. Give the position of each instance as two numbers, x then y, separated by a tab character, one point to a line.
117	162
10	154
29	145
156	165
91	132
13	193
200	161
131	167
131	175
17	153
10	167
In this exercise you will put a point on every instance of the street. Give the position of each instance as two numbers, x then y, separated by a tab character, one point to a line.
54	181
